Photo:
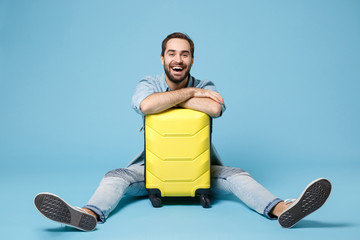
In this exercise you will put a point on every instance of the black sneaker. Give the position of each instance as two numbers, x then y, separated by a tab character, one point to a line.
312	198
56	209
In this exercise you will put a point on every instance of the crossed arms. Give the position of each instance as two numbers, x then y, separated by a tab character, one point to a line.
203	100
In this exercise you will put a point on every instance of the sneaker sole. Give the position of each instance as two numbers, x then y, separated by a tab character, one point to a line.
312	198
56	209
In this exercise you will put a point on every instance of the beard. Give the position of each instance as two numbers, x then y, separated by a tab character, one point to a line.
176	80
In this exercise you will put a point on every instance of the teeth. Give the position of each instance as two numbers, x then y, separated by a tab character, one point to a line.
177	68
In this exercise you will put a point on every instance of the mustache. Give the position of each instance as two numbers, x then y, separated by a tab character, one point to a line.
178	65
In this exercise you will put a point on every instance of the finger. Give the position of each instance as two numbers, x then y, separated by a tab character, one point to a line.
210	94
217	97
220	98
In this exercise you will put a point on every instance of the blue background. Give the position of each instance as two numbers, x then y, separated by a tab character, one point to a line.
289	72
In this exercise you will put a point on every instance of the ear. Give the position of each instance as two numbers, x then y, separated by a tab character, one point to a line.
192	61
162	60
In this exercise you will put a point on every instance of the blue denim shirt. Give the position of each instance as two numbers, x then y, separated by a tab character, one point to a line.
149	85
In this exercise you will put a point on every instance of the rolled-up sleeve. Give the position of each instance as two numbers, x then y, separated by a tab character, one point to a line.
143	89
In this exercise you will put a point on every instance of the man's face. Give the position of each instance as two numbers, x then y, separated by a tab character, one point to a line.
177	60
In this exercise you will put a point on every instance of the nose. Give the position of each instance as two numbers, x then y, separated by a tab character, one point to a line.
178	58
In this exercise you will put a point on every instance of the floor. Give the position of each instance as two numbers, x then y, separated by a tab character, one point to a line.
228	218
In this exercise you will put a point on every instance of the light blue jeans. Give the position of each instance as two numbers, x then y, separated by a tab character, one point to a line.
130	181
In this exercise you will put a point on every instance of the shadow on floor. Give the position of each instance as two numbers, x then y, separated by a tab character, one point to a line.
64	228
318	224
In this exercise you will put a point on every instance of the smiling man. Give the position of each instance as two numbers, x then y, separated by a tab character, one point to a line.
176	87
177	57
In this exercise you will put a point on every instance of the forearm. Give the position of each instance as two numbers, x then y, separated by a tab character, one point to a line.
206	105
159	102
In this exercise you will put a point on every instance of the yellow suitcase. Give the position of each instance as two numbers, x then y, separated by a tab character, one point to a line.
177	155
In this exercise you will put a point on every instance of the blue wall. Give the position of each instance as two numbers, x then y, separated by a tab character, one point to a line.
289	72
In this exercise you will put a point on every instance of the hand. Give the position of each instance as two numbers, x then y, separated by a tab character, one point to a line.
203	93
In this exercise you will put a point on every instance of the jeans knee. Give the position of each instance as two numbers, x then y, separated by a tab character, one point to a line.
226	172
124	173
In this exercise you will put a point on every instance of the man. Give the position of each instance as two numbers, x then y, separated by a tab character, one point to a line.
153	95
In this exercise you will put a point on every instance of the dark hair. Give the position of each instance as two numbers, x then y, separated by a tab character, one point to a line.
177	35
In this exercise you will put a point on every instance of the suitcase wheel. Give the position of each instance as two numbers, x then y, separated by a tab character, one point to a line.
155	201
205	200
